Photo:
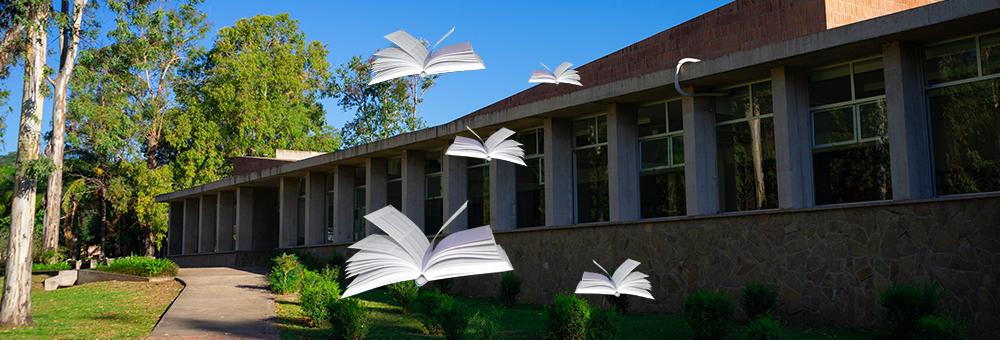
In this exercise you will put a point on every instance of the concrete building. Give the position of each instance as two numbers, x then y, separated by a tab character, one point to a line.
855	143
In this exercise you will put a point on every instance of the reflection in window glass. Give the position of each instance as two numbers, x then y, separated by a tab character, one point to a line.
530	180
328	201
478	186
359	203
300	214
834	126
989	53
950	61
661	161
394	185
831	85
746	156
965	119
591	169
433	200
869	79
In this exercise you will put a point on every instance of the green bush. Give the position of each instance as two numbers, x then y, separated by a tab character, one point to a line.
603	324
904	305
317	295
348	319
759	299
568	317
286	274
404	293
48	256
454	320
141	266
763	327
429	307
934	327
485	326
47	267
510	287
708	314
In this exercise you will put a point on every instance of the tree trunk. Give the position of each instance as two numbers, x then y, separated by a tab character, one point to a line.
15	307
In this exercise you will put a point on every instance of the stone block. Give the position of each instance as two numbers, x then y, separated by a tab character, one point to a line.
65	278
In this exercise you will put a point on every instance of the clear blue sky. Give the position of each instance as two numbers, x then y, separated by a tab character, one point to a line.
511	36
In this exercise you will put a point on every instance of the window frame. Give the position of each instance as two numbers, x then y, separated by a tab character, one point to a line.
534	154
668	135
575	148
855	105
979	61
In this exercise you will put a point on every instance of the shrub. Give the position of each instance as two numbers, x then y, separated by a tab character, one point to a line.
348	319
510	287
317	295
485	326
404	293
904	305
708	314
141	266
46	267
286	274
759	299
603	324
454	320
940	328
568	317
763	327
429	307
48	256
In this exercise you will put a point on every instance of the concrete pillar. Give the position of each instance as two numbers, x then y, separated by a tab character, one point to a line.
244	219
454	188
375	189
701	176
623	163
225	219
206	224
175	229
343	204
909	122
558	141
288	198
315	199
413	186
503	195
191	226
792	138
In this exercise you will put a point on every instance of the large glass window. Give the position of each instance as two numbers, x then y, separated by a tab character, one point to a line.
850	133
394	183
329	206
661	159
745	136
359	202
478	186
300	213
433	199
963	79
531	180
590	154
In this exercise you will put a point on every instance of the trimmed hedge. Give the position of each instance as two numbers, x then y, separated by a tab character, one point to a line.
47	267
141	266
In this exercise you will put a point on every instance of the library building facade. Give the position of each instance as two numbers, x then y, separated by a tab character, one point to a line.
832	147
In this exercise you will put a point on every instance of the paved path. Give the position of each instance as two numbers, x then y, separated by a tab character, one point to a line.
220	303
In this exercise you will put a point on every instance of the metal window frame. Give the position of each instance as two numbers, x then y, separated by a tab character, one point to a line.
669	135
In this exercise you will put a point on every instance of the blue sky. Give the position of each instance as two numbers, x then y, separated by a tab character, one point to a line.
511	36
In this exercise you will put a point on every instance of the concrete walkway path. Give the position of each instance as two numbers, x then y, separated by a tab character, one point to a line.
220	303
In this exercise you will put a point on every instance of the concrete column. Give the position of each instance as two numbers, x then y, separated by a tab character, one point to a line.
191	226
454	188
503	195
792	138
701	175
206	224
343	204
315	199
175	229
225	219
288	198
558	141
244	219
375	190
909	122
413	186
623	163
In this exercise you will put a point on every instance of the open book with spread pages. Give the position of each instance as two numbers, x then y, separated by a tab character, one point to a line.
562	74
411	57
497	146
404	253
624	281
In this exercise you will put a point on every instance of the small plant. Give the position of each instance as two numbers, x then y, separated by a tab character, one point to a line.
759	299
46	267
905	304
485	326
141	266
764	327
510	287
317	295
708	314
603	324
428	307
348	319
939	328
568	317
454	320
286	274
404	293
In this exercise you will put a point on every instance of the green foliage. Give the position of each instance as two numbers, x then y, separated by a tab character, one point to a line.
763	327
348	318
485	326
430	307
404	294
568	317
141	266
38	169
708	314
759	299
318	291
47	267
905	304
934	327
510	287
604	324
286	274
48	256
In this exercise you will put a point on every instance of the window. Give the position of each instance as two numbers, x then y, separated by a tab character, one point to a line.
962	81
850	133
359	202
300	213
531	180
661	159
745	136
590	155
394	183
329	204
478	184
433	200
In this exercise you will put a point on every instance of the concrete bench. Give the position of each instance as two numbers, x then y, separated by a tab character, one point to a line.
65	278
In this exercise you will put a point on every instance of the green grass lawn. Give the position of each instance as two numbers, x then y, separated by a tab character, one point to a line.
520	322
101	310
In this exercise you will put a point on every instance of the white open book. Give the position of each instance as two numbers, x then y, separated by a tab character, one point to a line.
624	281
497	146
411	57
404	253
562	74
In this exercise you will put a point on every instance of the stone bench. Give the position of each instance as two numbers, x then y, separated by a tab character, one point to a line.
65	278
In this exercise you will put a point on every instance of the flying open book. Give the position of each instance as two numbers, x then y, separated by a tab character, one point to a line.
404	253
562	74
497	146
411	57
624	281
